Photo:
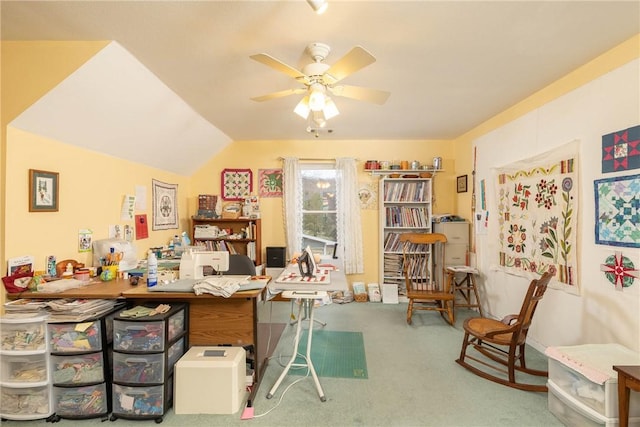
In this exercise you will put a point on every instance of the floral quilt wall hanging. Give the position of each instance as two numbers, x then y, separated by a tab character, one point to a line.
237	184
538	217
165	208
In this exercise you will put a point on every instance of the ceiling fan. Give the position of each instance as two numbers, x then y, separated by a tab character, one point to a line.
320	80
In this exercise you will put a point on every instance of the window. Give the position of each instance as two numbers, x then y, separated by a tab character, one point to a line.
319	211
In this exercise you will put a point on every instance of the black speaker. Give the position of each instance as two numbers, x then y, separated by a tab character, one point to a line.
276	256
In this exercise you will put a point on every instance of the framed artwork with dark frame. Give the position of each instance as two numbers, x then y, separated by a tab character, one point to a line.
43	191
461	184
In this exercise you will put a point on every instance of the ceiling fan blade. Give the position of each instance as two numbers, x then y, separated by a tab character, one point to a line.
278	65
361	93
280	94
356	59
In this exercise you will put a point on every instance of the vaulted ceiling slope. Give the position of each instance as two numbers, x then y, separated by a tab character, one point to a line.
449	65
114	105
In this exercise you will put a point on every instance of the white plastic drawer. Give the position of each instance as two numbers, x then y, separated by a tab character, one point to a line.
138	368
75	337
175	352
80	401
176	324
23	337
572	413
24	401
78	369
138	336
138	401
602	398
24	369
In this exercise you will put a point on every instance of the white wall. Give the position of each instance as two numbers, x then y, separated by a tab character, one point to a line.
600	314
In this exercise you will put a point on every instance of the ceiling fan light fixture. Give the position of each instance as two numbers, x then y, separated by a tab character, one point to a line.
318	6
302	109
317	98
330	109
318	119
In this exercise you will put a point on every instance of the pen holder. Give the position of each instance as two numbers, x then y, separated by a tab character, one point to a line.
109	272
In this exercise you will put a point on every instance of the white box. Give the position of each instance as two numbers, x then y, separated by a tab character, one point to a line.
210	384
574	414
389	293
594	359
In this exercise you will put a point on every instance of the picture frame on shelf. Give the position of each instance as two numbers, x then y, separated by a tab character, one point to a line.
43	191
461	184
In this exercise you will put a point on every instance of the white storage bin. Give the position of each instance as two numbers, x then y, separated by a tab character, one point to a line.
138	401
25	402
593	359
78	369
572	413
138	336
79	402
75	337
210	380
23	337
25	369
138	368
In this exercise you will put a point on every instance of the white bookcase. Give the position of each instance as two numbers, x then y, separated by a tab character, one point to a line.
405	206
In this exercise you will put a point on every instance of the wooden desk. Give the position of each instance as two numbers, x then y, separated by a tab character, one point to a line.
628	379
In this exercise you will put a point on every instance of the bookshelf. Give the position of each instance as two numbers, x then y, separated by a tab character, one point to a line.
405	206
241	236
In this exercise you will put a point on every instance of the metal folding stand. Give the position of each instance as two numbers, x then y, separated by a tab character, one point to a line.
306	303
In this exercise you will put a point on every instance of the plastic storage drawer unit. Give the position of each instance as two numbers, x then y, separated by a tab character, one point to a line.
23	369
596	385
210	380
138	368
78	369
25	403
572	414
85	401
75	337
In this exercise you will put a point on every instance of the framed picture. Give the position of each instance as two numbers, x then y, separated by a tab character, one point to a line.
237	184
43	191
462	184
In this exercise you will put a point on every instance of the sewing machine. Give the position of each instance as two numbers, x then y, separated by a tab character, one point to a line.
192	263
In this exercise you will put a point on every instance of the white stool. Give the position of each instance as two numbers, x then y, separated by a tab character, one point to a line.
307	298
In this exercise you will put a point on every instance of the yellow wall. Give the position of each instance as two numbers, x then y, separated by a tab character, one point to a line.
610	60
257	155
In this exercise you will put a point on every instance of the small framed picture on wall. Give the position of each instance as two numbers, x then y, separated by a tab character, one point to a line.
462	184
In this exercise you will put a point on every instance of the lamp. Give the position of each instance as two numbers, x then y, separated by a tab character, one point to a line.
318	6
319	113
316	97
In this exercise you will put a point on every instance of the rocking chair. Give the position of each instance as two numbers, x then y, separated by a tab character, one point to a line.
504	341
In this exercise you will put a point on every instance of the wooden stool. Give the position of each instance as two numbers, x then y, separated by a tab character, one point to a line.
464	286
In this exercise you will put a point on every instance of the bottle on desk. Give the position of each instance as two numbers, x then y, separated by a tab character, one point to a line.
152	270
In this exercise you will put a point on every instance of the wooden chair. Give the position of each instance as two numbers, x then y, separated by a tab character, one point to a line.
423	292
504	342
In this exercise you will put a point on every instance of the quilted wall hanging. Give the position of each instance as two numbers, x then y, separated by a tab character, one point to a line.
165	209
538	216
621	150
617	211
619	270
237	184
270	182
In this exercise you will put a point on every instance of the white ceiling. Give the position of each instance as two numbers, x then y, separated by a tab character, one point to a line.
449	65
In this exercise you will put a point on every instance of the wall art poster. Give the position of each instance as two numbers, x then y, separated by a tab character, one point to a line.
619	270
617	203
236	184
621	150
165	208
368	195
538	216
270	182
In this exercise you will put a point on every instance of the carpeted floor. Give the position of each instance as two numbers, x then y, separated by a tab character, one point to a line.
336	354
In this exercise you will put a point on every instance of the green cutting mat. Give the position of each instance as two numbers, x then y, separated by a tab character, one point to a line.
334	354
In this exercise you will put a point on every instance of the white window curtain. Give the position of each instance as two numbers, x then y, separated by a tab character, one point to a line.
349	224
348	207
292	203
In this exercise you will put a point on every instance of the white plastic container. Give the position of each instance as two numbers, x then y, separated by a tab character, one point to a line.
152	270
